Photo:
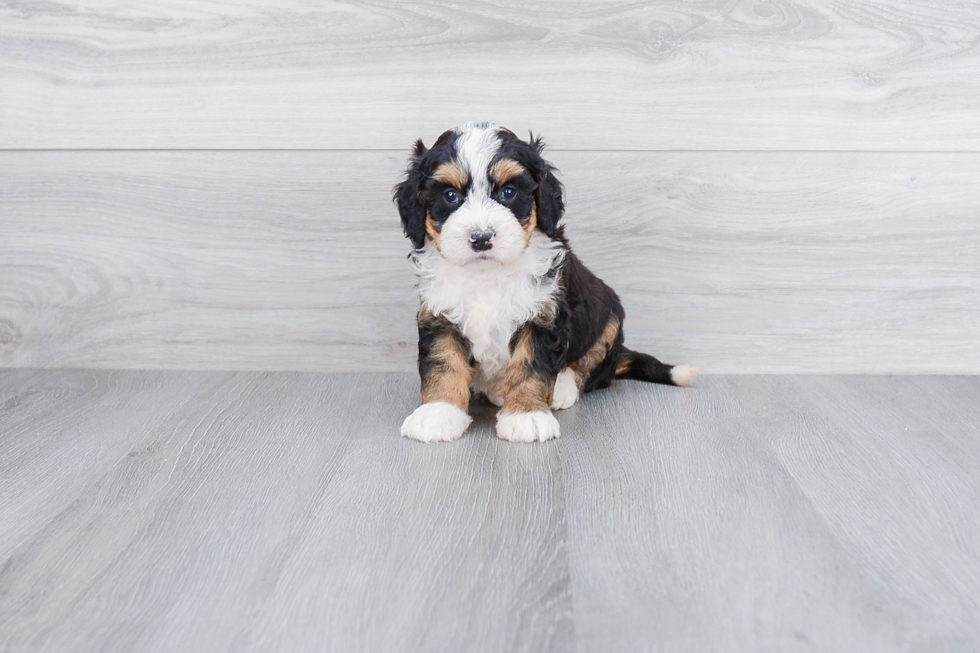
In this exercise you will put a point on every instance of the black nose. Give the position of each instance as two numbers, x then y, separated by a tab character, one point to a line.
481	241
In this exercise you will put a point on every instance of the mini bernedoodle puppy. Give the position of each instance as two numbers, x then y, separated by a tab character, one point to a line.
507	309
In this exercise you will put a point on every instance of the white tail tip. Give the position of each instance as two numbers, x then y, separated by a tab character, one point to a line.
683	374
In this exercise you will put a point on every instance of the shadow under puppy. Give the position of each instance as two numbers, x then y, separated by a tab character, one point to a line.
507	309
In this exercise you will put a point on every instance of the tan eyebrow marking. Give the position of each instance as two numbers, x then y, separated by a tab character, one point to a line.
451	173
505	170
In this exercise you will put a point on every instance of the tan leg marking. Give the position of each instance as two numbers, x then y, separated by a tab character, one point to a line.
449	375
525	390
597	353
623	366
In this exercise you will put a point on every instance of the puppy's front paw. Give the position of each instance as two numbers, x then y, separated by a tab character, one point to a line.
537	426
436	422
566	390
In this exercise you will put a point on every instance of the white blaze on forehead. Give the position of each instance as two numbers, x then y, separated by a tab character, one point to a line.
476	147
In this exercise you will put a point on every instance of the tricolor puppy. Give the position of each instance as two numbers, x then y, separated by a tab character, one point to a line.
507	310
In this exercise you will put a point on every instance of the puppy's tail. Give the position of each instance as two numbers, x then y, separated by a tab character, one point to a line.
643	367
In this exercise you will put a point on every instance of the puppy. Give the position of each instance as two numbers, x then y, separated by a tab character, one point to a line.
507	309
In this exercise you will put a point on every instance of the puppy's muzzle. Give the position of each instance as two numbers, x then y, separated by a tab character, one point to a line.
481	241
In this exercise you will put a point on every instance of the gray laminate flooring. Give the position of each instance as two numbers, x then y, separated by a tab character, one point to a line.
212	511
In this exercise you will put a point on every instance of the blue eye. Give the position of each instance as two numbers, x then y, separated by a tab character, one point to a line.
451	196
507	193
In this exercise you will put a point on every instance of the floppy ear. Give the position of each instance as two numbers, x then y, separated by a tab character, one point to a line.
549	197
408	197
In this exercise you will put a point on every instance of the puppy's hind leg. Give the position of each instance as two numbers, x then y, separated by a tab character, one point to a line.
572	382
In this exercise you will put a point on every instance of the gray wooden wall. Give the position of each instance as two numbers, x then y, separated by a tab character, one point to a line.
771	186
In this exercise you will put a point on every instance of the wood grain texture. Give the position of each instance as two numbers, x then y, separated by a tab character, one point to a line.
85	425
712	74
739	262
776	513
272	512
196	511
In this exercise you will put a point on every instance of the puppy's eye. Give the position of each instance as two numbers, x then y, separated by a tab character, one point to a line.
451	196
507	193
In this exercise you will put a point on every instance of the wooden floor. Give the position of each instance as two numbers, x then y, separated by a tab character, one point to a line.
212	511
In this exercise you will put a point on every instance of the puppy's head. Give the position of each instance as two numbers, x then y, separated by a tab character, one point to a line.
479	194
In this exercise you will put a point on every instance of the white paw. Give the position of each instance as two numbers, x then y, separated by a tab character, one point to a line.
566	390
537	426
436	422
683	374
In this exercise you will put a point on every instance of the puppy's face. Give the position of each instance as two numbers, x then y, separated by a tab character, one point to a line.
478	195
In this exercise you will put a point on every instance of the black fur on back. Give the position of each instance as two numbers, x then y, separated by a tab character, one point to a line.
586	305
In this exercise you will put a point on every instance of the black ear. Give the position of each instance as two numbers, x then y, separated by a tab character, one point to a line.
550	192
408	197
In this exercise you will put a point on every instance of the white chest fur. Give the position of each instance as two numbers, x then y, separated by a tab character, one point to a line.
488	301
